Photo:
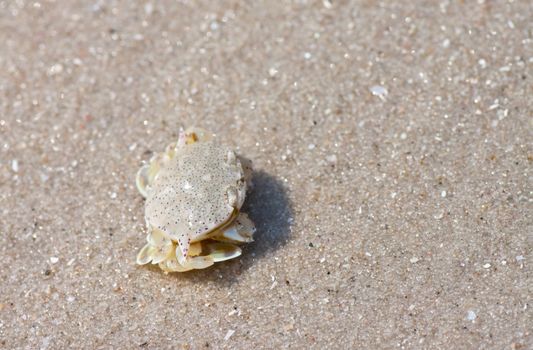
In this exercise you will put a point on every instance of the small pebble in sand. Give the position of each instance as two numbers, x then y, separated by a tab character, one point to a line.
332	159
414	260
55	69
232	312
54	259
15	165
471	315
272	71
439	215
274	284
229	334
486	266
379	91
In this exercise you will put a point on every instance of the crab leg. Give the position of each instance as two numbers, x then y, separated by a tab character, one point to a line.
247	169
144	179
241	231
147	173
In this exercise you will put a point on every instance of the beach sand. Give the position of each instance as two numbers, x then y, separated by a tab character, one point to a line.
392	147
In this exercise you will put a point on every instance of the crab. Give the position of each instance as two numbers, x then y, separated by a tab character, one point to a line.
194	191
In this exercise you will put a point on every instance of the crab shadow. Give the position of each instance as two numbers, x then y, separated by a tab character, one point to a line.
269	208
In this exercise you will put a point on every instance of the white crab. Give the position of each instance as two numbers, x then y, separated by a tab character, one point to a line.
194	192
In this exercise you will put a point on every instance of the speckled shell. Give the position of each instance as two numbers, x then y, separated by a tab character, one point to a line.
195	192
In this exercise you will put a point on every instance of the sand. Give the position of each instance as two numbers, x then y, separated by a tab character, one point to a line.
392	146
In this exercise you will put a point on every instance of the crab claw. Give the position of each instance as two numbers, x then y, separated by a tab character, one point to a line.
153	254
161	253
193	262
157	250
172	264
219	251
148	172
